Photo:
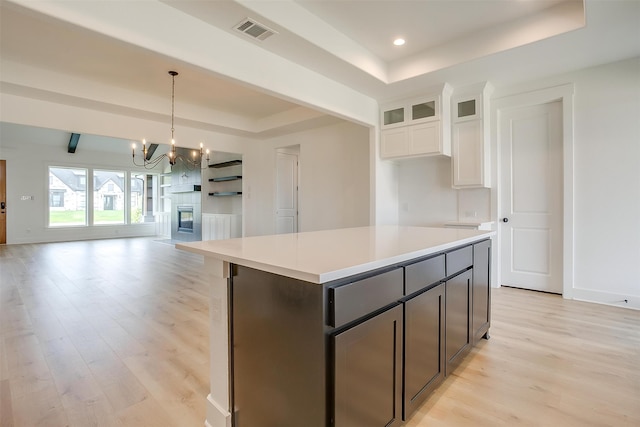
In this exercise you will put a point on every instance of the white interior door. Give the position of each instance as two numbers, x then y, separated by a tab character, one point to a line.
286	193
531	197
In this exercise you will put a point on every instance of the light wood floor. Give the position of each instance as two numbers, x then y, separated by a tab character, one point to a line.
114	333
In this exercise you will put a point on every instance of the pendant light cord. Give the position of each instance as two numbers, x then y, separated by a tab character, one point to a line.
173	91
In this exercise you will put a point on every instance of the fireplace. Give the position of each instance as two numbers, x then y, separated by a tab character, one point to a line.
185	219
186	202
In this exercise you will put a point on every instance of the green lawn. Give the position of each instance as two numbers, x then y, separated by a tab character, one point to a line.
78	217
108	216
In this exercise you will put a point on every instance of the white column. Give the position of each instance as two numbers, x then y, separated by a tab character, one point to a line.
218	407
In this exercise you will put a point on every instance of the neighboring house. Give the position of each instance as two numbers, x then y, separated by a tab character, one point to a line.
67	189
108	188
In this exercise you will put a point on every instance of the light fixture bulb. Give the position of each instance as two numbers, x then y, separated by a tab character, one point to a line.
399	42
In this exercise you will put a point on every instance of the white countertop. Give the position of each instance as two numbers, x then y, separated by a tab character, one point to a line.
323	256
485	225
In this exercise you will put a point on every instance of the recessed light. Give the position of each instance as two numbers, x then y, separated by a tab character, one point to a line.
398	42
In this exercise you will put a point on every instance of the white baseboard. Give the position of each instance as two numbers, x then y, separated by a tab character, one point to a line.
216	416
68	234
617	300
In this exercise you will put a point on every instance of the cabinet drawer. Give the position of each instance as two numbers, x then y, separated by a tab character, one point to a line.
423	273
459	259
353	300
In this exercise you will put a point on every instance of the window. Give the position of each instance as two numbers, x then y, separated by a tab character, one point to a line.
423	110
137	188
108	197
67	197
81	197
56	198
394	116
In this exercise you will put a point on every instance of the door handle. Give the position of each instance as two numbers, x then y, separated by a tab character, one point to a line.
2	205
505	219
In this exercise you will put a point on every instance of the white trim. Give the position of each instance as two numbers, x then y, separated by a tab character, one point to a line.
88	222
216	415
221	226
607	298
218	400
564	94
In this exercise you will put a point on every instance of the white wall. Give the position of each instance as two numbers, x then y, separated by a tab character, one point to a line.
334	186
384	195
335	178
425	194
606	179
426	198
29	152
606	182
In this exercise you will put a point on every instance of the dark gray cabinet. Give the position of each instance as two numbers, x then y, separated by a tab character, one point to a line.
424	367
368	369
481	290
458	318
363	351
360	298
278	351
422	274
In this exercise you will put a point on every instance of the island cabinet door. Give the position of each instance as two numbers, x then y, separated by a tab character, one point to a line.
367	372
481	314
423	347
458	318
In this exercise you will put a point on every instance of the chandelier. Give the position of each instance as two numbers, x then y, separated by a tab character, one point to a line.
148	162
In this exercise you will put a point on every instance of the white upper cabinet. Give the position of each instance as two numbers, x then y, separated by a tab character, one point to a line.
416	140
468	167
470	137
417	127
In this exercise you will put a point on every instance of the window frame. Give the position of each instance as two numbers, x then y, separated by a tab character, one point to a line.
52	182
125	211
89	212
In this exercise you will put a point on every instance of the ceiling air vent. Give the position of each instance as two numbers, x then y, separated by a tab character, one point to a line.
254	29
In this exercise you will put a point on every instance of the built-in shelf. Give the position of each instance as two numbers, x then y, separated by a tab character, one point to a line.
185	188
226	193
225	178
226	164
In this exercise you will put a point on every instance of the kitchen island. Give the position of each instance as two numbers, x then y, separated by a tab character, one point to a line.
349	327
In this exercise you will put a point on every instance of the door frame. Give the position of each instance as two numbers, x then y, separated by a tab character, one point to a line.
564	94
3	198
